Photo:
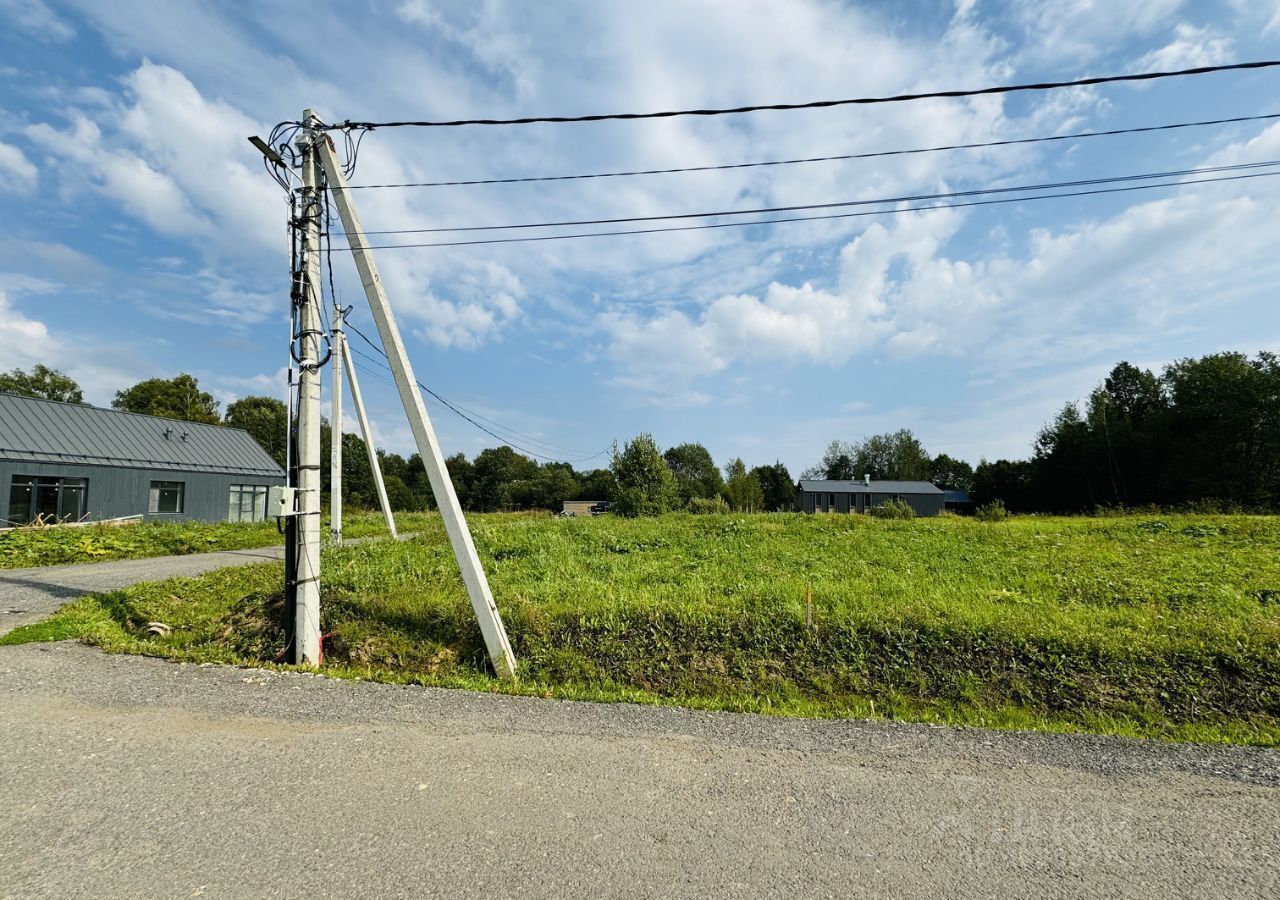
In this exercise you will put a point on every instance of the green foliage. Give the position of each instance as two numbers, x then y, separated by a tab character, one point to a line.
695	472
41	382
991	512
1081	624
950	474
897	455
893	509
742	489
267	421
644	483
179	397
709	506
57	545
778	487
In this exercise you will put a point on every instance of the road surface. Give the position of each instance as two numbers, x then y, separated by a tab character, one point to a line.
132	777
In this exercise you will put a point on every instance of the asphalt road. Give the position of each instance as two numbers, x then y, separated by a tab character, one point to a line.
131	777
29	595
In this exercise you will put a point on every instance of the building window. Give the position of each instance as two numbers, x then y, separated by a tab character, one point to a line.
165	497
46	498
248	503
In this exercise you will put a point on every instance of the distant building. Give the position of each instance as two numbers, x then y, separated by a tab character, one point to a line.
580	507
958	501
859	496
69	461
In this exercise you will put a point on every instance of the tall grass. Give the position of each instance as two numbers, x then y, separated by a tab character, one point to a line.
1163	626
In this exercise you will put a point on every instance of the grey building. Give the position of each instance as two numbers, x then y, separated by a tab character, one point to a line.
859	496
73	462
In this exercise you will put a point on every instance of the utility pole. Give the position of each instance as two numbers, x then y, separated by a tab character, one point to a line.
335	427
306	620
367	434
455	525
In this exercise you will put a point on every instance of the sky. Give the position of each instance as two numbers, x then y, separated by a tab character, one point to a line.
140	236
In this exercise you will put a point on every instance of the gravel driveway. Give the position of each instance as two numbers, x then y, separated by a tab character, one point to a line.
29	595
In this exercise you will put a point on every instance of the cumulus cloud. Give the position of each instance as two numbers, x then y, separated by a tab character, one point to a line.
1190	47
1084	30
896	289
23	341
19	173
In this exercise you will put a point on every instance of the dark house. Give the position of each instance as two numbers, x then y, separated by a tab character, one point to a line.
958	501
69	461
860	496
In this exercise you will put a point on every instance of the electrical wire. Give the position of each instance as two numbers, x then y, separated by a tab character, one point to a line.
470	415
908	198
349	125
818	159
498	437
825	217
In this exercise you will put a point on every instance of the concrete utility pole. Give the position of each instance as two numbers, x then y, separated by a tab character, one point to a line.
306	627
335	427
491	627
365	433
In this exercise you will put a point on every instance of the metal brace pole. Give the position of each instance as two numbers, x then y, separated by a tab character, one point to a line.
335	428
367	434
455	525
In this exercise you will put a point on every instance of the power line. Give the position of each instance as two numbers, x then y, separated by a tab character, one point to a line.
463	412
907	198
829	216
817	159
816	104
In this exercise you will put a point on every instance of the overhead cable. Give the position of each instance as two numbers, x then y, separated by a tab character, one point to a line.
797	207
469	414
815	104
819	159
848	215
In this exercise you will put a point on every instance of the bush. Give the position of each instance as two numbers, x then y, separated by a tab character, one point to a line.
991	512
893	509
708	506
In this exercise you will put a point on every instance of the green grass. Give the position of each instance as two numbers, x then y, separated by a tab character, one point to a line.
97	543
1163	627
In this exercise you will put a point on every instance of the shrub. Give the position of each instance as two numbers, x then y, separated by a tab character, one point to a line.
893	509
708	506
991	512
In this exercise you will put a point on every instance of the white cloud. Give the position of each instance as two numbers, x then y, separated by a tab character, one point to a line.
1190	47
19	173
1080	31
35	18
1143	270
23	341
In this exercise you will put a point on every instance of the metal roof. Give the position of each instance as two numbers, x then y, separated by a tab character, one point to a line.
49	431
955	495
877	487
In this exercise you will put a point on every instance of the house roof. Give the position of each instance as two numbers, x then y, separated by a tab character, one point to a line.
877	487
956	495
49	431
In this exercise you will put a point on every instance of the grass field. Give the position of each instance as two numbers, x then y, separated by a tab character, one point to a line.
1163	627
55	546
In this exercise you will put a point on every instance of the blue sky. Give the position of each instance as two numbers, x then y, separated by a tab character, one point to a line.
142	238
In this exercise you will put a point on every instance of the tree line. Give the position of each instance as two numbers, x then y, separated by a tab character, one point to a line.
497	478
1205	431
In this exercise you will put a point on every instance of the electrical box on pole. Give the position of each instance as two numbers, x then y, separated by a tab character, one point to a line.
491	627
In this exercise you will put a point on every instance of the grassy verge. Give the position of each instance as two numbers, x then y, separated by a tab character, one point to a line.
97	543
1162	627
